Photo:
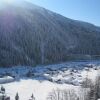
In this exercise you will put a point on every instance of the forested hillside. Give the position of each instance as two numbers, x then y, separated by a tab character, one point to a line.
32	35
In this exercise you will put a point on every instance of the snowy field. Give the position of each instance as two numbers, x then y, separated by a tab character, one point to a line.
25	88
41	80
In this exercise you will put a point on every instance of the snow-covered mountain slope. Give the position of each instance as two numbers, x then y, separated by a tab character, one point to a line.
42	80
33	35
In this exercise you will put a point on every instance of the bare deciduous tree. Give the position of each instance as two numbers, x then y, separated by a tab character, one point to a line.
62	95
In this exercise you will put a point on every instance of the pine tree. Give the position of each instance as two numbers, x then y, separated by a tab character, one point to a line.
33	98
2	89
17	96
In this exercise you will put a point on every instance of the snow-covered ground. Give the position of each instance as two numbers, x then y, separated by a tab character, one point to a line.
43	79
25	88
6	79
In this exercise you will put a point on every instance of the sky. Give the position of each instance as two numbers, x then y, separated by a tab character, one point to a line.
84	10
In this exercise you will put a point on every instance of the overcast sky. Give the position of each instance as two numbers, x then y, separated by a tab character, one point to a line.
85	10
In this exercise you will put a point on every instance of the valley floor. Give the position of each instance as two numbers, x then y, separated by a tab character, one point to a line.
42	80
25	88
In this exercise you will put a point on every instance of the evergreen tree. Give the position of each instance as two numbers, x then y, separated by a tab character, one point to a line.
2	89
17	96
33	98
